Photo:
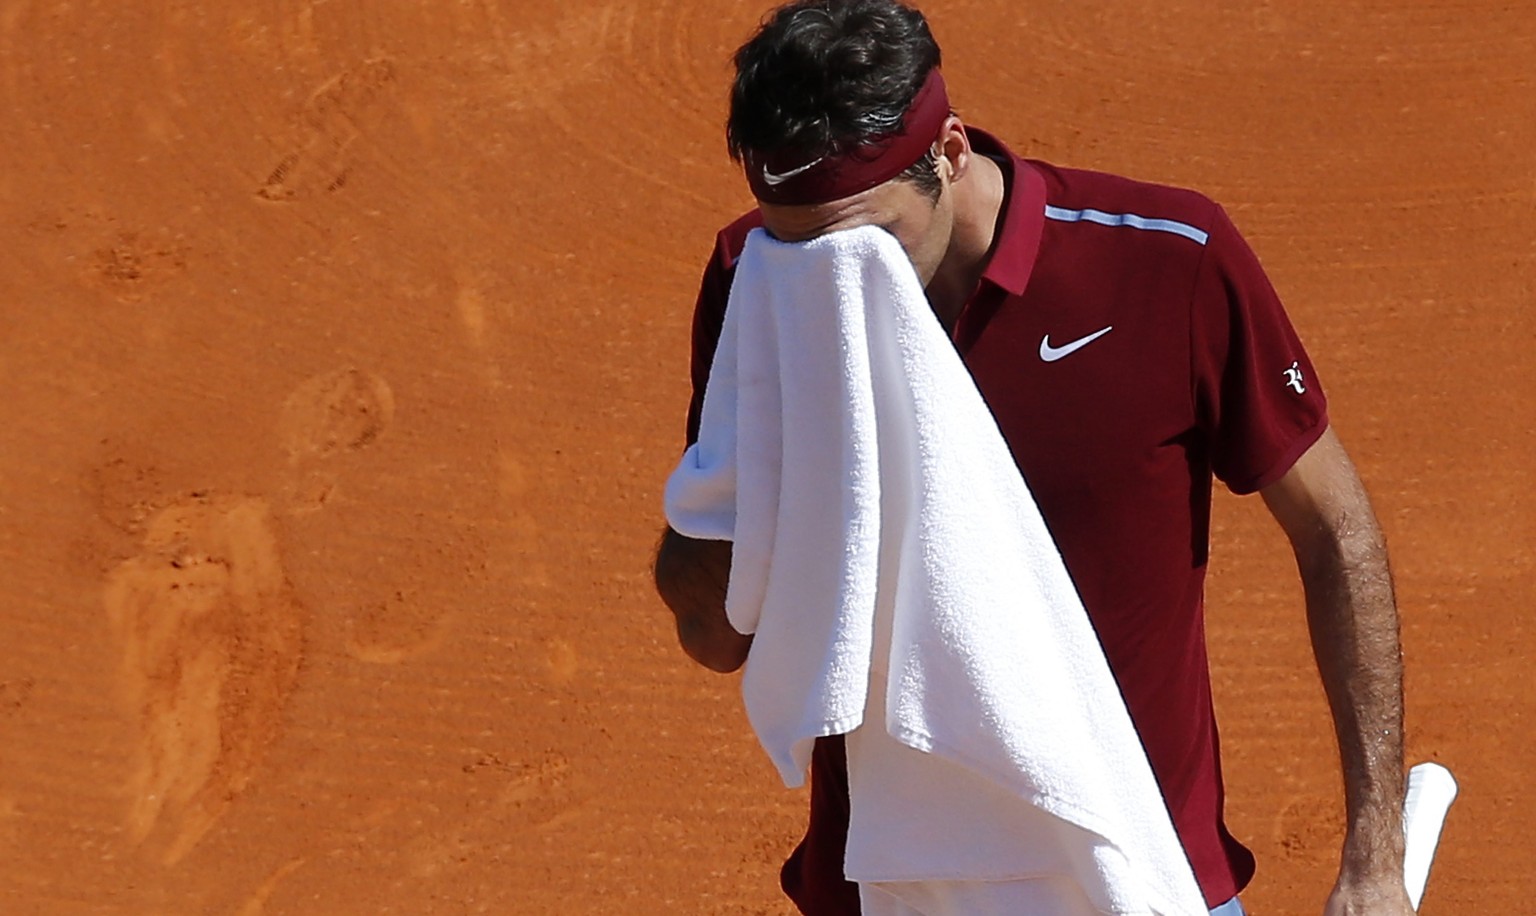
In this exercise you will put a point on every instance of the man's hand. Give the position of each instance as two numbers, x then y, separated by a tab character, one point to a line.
1352	616
691	577
1378	895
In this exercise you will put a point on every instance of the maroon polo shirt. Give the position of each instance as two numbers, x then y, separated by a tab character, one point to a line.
1130	347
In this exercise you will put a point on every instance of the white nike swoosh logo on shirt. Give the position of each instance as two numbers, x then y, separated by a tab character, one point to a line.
777	178
1050	354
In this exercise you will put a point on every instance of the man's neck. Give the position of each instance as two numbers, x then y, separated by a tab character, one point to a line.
978	204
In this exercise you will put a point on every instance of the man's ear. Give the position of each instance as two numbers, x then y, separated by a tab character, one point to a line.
954	147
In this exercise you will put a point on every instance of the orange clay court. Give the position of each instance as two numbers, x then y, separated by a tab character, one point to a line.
344	353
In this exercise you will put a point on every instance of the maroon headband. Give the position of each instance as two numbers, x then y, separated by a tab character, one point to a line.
786	179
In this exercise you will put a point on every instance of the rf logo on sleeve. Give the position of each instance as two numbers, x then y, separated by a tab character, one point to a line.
1293	378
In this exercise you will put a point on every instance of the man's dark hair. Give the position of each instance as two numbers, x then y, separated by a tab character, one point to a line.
824	76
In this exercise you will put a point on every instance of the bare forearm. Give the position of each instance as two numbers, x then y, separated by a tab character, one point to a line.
691	577
1352	616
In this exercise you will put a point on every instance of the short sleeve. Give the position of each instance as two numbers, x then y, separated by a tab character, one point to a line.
1258	400
708	319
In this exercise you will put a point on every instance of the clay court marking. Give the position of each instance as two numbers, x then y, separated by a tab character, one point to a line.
336	116
10	21
256	905
9	819
1308	828
395	630
14	693
475	315
539	789
211	637
532	795
131	266
330	414
521	533
340	411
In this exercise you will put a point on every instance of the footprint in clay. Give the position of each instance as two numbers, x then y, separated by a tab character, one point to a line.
340	411
330	414
211	639
339	113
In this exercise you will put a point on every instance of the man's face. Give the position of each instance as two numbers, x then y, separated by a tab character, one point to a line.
920	224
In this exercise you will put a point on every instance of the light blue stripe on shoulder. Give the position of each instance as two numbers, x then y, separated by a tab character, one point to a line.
1127	219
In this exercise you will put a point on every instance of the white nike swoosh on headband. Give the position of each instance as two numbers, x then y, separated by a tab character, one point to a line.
777	178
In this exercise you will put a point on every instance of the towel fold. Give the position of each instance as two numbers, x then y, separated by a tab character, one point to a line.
903	590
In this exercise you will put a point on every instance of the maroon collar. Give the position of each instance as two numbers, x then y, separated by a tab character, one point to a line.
1017	242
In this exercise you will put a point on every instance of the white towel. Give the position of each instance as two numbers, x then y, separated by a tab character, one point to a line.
896	572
